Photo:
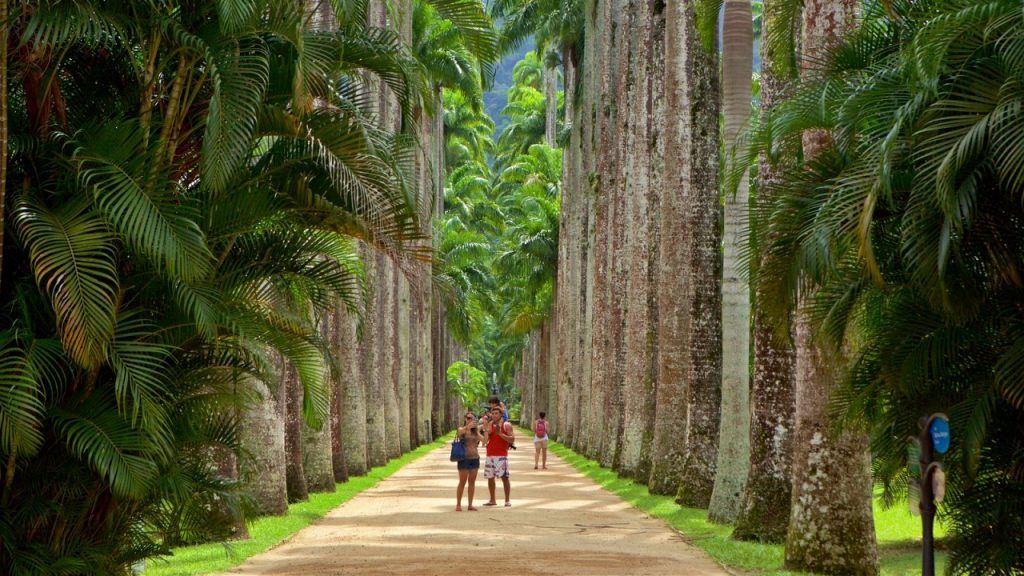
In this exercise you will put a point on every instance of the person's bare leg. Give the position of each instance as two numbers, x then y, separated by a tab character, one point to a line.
472	489
536	456
544	452
490	488
463	474
508	490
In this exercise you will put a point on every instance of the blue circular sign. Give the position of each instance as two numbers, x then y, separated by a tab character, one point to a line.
938	429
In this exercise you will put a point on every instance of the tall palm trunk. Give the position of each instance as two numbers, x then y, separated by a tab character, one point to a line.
402	340
317	446
298	490
765	512
353	394
550	103
596	181
372	358
734	431
692	173
642	193
389	363
688	360
831	528
338	460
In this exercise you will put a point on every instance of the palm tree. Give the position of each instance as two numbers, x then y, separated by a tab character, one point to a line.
558	29
734	435
831	525
915	305
526	112
643	121
128	346
689	339
765	512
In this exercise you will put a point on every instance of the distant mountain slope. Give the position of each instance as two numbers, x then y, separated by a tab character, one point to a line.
496	97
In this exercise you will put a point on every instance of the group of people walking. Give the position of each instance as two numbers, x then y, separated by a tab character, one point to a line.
495	432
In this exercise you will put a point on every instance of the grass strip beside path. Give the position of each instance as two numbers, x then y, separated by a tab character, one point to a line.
269	531
898	532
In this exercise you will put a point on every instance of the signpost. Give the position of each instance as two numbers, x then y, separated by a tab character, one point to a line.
934	438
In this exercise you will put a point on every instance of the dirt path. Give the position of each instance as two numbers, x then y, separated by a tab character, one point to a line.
560	523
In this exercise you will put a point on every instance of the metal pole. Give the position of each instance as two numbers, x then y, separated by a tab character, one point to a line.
927	503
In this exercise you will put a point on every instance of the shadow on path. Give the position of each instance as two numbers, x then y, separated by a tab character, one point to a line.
560	523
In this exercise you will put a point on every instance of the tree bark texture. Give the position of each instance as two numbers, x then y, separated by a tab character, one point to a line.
692	174
642	191
734	436
390	364
831	527
765	512
550	104
373	363
317	446
298	491
262	436
353	394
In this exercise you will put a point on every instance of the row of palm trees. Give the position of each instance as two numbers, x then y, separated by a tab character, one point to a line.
216	268
499	235
884	149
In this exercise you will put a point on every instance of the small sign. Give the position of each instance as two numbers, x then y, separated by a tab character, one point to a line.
938	429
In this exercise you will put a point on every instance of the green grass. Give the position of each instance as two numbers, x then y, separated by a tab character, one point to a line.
270	531
898	532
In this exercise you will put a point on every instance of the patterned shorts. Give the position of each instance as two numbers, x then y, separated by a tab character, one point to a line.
496	467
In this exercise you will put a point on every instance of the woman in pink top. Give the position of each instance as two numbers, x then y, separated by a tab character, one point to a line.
540	441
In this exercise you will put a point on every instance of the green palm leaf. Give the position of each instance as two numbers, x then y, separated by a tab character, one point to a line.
21	407
153	217
73	257
97	433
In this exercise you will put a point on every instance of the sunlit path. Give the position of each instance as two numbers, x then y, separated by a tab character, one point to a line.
560	523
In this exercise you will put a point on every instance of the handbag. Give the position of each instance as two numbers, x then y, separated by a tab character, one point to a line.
458	450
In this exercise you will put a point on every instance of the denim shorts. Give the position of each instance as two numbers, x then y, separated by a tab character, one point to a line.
473	464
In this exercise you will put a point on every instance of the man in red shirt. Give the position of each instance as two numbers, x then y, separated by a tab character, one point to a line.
498	435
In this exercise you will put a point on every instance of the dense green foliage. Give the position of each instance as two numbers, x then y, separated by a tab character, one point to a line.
498	239
907	239
191	178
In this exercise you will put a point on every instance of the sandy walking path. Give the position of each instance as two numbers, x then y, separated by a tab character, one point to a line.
560	523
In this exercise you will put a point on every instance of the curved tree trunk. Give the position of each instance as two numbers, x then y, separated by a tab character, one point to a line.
734	436
765	512
831	527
